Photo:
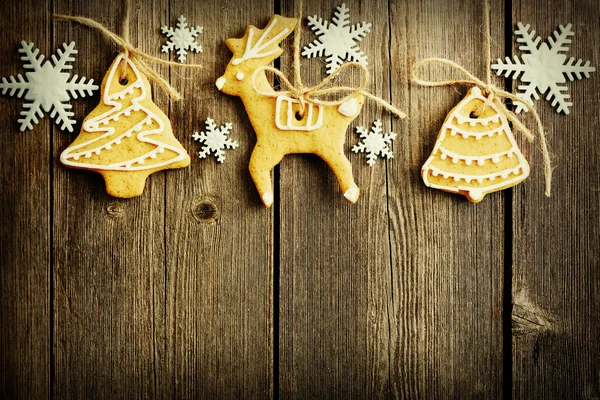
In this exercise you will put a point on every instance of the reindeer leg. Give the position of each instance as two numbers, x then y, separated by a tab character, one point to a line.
342	169
262	161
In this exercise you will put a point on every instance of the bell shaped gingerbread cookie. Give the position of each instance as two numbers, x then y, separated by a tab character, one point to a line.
475	154
126	137
281	126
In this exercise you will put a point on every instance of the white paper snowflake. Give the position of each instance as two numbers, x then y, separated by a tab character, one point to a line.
181	38
47	87
215	140
374	143
544	68
337	40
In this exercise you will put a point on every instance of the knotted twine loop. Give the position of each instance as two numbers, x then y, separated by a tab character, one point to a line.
132	53
310	94
493	95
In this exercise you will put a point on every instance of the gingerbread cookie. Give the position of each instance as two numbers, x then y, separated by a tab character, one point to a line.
126	137
280	127
475	154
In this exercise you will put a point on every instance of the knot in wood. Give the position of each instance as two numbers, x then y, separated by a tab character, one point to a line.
205	211
114	210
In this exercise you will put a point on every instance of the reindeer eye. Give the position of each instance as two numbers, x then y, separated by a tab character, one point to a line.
239	76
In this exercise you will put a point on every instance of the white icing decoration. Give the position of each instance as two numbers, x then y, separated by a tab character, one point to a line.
349	108
474	121
351	194
93	125
469	159
477	135
457	177
254	51
239	76
290	117
475	194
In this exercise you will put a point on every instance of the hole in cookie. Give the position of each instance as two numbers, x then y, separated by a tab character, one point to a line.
473	115
298	116
123	81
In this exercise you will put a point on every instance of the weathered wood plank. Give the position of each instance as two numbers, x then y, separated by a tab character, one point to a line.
445	299
556	311
334	261
24	218
219	237
109	264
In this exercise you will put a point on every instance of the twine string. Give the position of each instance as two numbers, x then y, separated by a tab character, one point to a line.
488	55
137	56
311	94
126	36
493	95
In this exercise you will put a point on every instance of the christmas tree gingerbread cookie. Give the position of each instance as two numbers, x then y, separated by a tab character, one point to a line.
281	126
126	137
475	154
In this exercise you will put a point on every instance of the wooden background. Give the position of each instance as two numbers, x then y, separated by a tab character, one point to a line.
193	290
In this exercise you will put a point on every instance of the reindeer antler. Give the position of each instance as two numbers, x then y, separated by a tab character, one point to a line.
277	29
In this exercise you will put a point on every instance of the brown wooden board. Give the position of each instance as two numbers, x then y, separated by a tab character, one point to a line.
334	260
219	238
556	258
24	217
194	290
446	276
109	254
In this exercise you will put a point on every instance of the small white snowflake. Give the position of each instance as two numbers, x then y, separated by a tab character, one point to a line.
374	143
47	86
337	40
181	38
544	68
215	140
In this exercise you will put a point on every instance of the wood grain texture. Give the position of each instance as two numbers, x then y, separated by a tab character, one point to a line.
447	254
24	218
556	258
334	259
109	254
219	237
176	294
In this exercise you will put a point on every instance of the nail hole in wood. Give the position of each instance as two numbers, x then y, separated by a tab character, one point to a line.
123	81
205	211
298	116
473	115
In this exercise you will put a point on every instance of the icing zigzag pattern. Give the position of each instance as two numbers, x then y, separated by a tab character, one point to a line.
126	137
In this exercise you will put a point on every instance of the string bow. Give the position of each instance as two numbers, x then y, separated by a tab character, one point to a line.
311	94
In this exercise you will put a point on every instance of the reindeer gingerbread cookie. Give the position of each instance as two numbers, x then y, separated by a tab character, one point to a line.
281	126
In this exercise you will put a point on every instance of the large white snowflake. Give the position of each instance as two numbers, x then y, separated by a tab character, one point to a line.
215	140
545	68
374	143
337	40
181	38
47	86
